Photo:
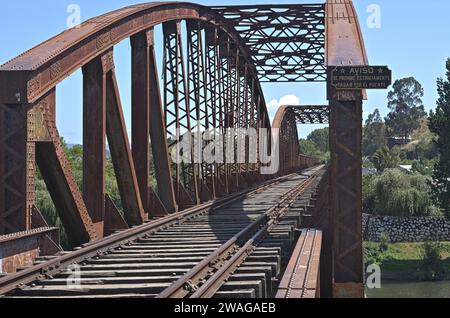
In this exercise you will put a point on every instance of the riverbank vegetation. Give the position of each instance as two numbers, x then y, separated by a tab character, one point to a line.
409	154
428	261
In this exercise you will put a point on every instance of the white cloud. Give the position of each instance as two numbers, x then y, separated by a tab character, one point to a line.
287	100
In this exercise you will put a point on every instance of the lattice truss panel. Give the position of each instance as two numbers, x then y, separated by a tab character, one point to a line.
311	114
289	146
207	91
287	42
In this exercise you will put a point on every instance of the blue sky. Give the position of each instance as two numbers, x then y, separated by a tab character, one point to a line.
413	40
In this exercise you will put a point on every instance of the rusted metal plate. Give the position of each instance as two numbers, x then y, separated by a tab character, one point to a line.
159	144
302	276
20	249
344	41
348	290
114	221
346	191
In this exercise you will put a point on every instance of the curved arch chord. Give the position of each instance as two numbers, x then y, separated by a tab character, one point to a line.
291	158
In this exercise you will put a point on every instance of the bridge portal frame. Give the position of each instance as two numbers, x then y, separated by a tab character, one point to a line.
345	47
28	131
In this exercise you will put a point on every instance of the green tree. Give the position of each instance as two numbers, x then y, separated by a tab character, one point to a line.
385	158
321	139
405	103
374	136
395	193
308	147
440	125
424	166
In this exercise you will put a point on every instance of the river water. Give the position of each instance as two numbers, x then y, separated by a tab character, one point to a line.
411	290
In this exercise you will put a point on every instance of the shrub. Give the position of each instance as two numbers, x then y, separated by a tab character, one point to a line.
372	254
384	242
386	158
431	266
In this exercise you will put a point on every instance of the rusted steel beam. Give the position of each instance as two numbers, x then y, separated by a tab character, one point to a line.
94	141
54	60
233	112
55	170
16	154
345	46
346	185
158	138
142	44
141	55
120	148
140	112
224	100
344	40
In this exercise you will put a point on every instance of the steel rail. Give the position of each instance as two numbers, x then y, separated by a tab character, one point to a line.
218	279
205	279
86	251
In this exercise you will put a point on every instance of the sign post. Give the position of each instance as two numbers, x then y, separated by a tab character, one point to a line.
360	77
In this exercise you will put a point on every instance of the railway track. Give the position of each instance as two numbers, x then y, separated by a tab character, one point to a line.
237	246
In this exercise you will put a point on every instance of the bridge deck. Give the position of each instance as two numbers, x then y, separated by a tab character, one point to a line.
158	258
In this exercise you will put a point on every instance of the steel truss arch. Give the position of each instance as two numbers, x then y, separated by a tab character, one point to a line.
214	87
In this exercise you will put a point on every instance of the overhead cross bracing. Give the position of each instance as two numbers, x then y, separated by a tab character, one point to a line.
311	114
287	42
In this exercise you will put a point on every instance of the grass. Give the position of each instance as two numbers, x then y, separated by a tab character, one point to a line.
402	261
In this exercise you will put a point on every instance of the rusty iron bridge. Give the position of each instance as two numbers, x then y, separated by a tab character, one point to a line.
220	229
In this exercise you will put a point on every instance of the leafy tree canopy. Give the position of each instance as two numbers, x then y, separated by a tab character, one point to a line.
320	137
374	136
385	158
405	103
395	193
440	125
